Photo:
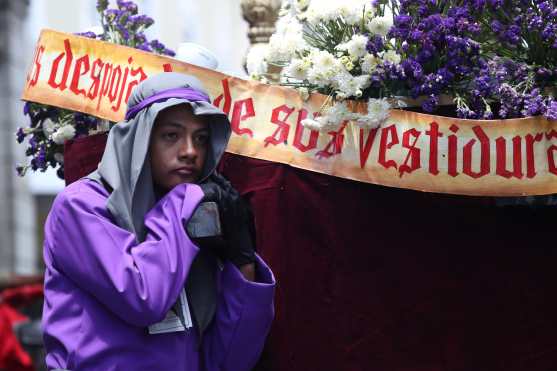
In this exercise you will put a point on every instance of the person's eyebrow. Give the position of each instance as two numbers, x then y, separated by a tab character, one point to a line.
174	124
201	130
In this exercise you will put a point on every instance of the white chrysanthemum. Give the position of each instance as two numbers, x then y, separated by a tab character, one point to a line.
369	63
391	56
323	61
59	157
324	67
298	68
49	127
318	78
351	86
377	113
356	47
351	11
321	123
338	112
287	40
63	134
304	93
256	63
380	25
282	47
303	4
369	13
317	15
288	23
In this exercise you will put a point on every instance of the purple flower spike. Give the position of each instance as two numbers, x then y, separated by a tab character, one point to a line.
20	135
551	112
431	103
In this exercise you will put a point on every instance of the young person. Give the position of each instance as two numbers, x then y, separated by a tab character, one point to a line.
125	286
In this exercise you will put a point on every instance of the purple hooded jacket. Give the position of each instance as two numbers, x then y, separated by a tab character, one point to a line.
102	290
104	287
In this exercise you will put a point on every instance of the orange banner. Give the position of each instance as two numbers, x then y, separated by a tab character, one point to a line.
411	150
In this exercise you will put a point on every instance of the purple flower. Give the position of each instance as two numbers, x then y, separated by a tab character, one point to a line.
496	4
546	8
430	104
375	44
168	52
33	144
412	69
544	73
142	21
464	112
551	112
20	135
88	34
487	115
497	26
123	31
113	15
127	6
144	46
40	159
140	38
536	23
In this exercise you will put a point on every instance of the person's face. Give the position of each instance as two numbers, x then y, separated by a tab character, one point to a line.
178	147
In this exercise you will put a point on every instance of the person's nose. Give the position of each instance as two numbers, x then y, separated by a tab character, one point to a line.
187	150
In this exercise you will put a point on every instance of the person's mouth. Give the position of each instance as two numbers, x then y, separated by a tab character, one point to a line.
185	171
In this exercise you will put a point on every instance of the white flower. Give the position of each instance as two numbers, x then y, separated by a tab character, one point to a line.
320	14
302	4
59	157
317	78
255	61
377	113
323	61
391	56
287	40
369	62
49	127
356	47
338	112
304	93
352	11
352	86
324	67
380	25
321	123
64	133
298	68
369	13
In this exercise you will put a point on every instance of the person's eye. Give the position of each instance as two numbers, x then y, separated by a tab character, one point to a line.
202	138
170	136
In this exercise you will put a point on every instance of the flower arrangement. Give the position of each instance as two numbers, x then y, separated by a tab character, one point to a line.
50	127
491	58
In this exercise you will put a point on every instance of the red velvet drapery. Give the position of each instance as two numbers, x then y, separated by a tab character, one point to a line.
382	279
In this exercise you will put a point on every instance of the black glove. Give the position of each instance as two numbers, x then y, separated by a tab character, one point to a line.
236	220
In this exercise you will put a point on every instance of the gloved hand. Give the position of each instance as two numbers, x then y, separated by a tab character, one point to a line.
236	219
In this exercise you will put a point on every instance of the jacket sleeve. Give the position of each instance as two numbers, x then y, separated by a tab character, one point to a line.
244	315
138	282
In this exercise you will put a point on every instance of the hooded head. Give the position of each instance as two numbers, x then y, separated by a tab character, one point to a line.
126	166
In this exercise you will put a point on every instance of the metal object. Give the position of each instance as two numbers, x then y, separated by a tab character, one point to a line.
205	222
